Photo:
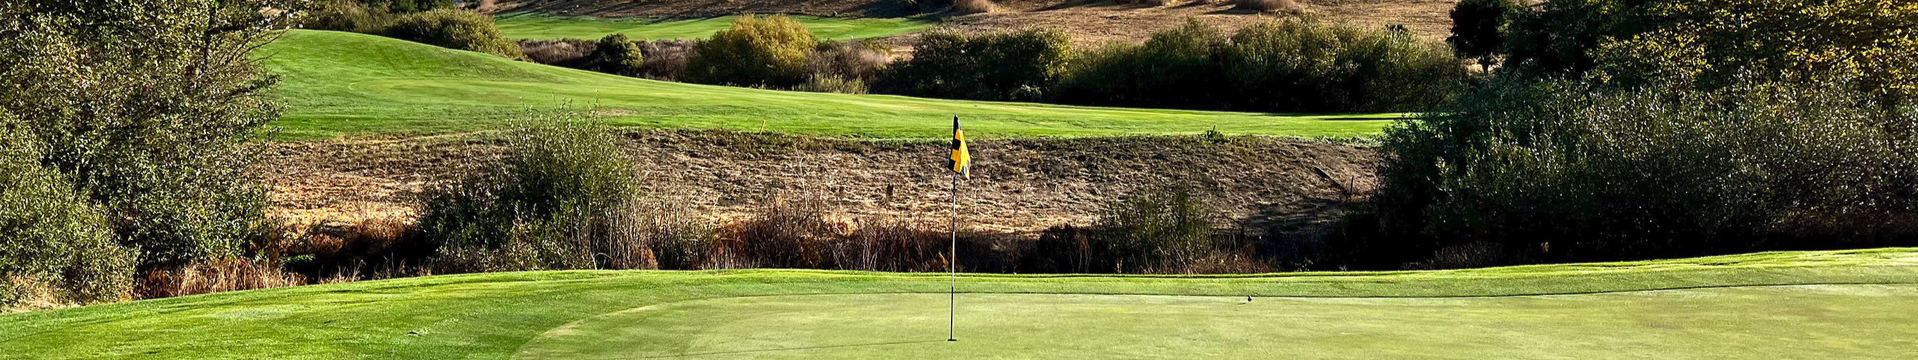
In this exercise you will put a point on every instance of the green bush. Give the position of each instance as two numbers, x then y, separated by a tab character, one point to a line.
346	15
1178	67
563	198
1288	66
755	51
1570	171
454	29
1014	65
152	113
411	6
1694	43
617	55
55	238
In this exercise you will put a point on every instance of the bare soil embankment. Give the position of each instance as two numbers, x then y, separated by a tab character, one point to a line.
1018	185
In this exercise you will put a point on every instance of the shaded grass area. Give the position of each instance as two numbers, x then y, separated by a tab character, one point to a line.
539	26
493	315
344	84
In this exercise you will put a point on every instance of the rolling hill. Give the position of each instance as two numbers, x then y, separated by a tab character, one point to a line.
344	84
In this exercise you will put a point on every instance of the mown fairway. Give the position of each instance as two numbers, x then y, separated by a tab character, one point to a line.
339	84
524	26
1791	305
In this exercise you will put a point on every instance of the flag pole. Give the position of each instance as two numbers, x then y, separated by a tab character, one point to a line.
952	269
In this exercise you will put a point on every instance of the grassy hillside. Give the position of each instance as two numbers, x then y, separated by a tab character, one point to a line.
339	84
1838	304
532	26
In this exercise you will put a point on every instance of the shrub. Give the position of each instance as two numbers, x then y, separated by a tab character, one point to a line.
1285	6
666	59
346	15
412	6
562	199
454	29
151	113
1068	249
754	51
888	244
679	239
1691	42
569	53
375	248
616	55
850	60
1014	65
785	233
1287	66
1475	28
1570	171
57	243
1159	231
1178	67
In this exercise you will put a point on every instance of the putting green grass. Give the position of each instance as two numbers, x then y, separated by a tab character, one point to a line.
1813	321
345	84
534	26
1792	305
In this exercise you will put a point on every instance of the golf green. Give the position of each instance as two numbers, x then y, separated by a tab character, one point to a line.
1803	322
1852	304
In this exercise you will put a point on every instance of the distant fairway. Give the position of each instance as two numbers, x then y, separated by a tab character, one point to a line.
1783	305
529	26
341	84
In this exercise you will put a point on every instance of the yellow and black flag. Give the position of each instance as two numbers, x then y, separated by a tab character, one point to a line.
961	159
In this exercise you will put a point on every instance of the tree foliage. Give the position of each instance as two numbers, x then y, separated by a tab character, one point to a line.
1555	171
148	110
1712	43
54	235
1475	28
454	29
617	55
754	51
1291	65
1013	65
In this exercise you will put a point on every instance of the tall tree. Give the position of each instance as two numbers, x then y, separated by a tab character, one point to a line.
150	109
1475	29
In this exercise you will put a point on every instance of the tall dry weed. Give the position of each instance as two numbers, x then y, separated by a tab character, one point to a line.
215	275
973	6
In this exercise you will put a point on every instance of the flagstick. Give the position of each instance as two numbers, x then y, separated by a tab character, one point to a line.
952	269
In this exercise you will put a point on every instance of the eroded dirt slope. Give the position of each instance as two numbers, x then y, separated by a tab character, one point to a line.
1021	185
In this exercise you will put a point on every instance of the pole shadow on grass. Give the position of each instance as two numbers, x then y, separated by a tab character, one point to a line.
794	349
